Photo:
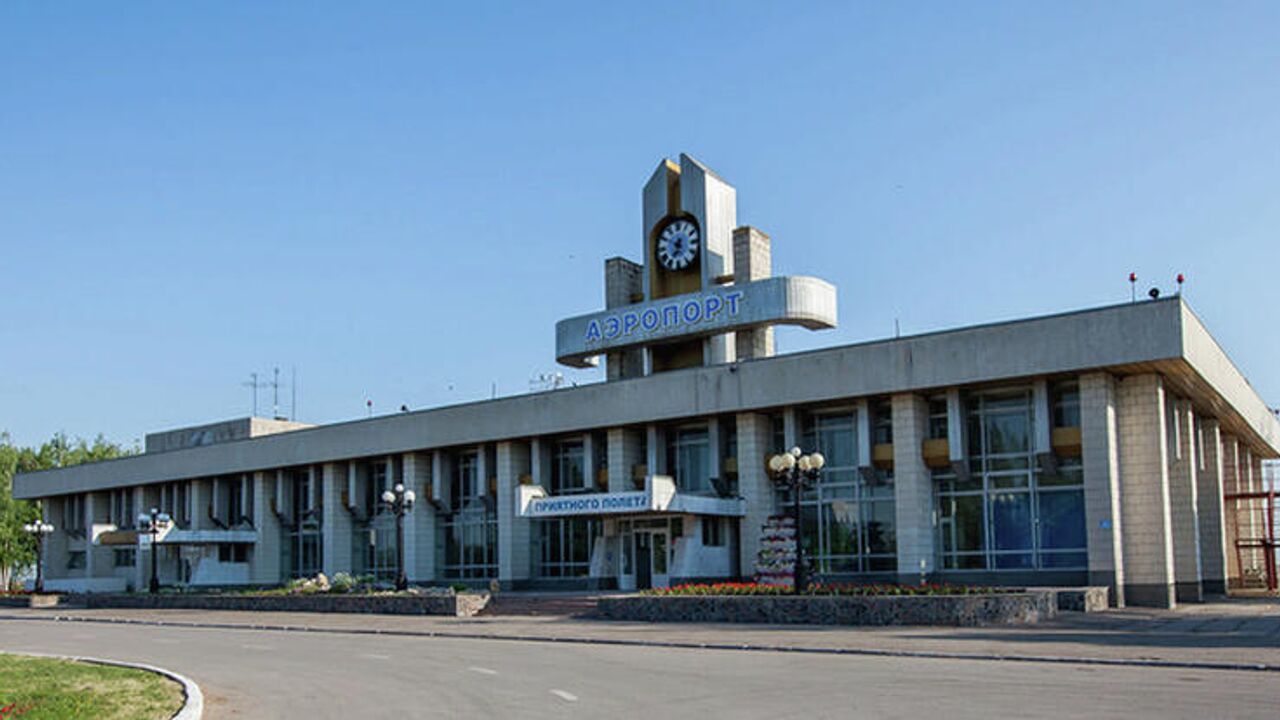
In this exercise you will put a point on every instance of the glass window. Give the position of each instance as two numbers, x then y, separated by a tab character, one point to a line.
568	468
689	459
125	557
882	422
1009	514
938	417
1065	397
849	522
712	532
470	531
565	546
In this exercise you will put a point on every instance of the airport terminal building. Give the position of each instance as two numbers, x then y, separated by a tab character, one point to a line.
1106	447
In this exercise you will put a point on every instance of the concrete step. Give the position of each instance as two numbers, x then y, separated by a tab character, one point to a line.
540	605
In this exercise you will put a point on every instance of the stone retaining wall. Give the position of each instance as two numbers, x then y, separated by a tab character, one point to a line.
947	610
460	605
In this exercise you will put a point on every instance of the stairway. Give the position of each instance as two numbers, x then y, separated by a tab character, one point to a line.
532	605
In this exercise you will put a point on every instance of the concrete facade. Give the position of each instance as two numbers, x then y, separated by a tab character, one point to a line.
1089	447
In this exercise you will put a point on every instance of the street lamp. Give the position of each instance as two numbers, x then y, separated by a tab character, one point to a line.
152	523
39	529
400	502
796	471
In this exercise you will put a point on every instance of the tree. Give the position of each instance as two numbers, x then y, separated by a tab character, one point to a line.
17	548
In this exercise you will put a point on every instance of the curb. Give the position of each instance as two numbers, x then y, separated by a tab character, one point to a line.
193	706
674	644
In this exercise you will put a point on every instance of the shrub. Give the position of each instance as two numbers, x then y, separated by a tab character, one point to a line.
851	589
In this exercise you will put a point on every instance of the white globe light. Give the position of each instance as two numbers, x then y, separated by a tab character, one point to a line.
399	487
796	451
410	496
29	528
803	462
388	496
788	461
816	461
144	519
775	463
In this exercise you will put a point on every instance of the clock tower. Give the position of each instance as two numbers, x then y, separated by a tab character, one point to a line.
704	293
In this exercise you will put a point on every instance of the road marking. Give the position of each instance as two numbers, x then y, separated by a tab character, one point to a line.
483	671
567	696
375	656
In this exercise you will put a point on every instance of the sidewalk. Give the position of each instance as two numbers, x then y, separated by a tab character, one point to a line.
1220	634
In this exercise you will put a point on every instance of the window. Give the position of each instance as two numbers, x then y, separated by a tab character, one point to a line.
882	422
565	546
75	560
470	531
712	531
125	557
689	458
73	514
938	417
1008	515
1065	397
120	508
849	521
174	501
568	468
233	553
304	544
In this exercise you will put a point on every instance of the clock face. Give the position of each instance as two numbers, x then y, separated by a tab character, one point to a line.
678	244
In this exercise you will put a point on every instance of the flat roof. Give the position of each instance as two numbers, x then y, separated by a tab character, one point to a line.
1150	336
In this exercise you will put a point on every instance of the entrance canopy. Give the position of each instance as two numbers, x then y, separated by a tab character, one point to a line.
659	496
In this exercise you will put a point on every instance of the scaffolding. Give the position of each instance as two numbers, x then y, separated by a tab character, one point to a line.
1252	526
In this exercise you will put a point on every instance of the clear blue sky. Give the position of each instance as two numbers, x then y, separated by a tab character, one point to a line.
401	200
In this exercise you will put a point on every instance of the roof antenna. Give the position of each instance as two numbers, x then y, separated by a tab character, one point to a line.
897	331
1133	287
254	384
1180	280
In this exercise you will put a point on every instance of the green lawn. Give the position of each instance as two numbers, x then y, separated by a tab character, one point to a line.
46	689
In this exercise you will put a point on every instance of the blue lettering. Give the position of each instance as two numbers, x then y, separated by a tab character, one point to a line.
670	315
593	331
692	311
713	305
630	322
733	299
649	319
612	327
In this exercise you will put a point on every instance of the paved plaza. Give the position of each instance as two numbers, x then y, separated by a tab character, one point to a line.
1140	663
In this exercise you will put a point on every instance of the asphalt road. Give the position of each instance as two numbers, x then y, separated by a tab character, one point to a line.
270	674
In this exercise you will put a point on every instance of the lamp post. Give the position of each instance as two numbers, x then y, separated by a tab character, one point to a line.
796	471
400	502
152	523
39	529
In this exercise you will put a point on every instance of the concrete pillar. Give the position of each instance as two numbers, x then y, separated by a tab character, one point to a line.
201	498
420	524
97	558
656	450
1230	451
1144	491
514	533
1213	542
626	450
790	431
913	488
55	545
1100	443
336	526
752	260
1183	504
264	564
755	436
